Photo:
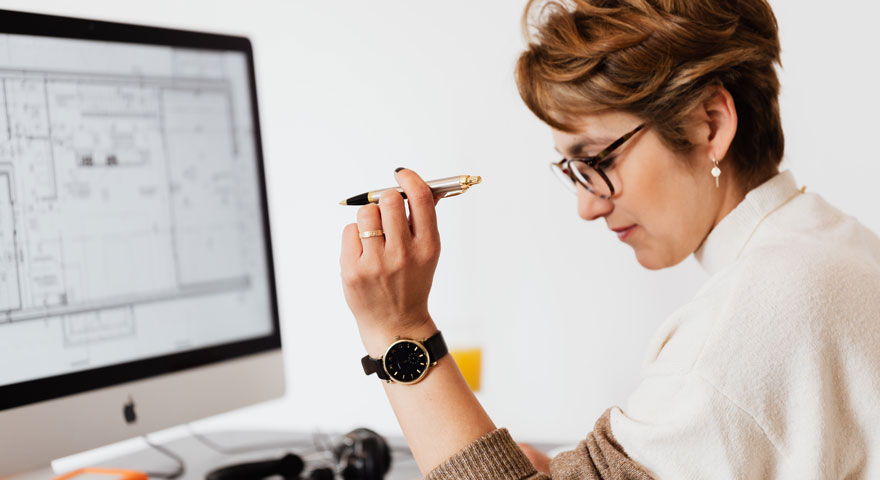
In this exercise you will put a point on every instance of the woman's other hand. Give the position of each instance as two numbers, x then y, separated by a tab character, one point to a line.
537	457
386	280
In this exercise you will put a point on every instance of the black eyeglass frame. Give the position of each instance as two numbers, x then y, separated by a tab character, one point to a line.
593	161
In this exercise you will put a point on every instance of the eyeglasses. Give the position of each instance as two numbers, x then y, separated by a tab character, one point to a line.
590	171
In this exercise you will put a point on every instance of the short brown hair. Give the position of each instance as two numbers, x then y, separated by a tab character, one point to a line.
658	59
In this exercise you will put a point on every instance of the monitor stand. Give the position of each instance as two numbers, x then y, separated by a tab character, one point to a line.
202	455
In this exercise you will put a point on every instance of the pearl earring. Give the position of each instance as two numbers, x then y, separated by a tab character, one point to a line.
716	172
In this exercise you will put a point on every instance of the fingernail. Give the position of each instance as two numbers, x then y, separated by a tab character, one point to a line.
398	169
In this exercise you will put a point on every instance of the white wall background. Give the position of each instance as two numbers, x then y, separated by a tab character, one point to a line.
351	89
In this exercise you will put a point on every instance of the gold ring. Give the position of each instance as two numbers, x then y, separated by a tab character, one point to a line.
371	233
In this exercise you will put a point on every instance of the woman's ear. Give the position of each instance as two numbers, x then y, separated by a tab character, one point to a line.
716	123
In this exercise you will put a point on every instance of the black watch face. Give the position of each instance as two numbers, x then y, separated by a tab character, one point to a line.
406	362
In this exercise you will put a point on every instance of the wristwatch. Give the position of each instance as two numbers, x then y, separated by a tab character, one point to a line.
406	361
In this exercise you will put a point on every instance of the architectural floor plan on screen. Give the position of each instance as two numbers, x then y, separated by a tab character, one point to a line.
129	204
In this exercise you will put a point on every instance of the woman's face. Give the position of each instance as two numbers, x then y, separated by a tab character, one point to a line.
668	199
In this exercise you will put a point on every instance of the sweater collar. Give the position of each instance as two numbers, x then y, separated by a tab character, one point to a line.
726	241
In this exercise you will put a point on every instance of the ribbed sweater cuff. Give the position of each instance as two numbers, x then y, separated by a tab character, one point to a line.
493	457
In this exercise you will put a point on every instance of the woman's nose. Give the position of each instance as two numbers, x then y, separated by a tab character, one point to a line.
591	207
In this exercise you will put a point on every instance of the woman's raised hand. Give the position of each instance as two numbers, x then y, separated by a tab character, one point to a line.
387	279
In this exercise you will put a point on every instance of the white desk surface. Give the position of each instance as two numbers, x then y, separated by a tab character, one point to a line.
201	458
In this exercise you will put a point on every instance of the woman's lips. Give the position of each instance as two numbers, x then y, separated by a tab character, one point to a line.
623	233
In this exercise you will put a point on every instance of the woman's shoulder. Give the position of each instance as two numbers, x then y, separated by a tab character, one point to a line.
803	286
808	279
796	315
810	275
808	251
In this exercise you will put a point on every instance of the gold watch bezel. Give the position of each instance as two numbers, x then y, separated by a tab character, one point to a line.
421	345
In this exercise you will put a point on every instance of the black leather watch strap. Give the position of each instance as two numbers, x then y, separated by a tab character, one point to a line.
374	365
436	347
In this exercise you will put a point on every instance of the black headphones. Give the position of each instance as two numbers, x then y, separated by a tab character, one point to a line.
362	455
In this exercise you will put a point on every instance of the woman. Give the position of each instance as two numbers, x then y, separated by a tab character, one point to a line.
666	112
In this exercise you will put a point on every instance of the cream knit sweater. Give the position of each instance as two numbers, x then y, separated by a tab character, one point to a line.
771	371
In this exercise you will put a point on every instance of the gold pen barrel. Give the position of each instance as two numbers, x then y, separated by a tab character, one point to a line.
443	187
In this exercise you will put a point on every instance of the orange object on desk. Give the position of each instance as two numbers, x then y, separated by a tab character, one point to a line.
103	474
469	361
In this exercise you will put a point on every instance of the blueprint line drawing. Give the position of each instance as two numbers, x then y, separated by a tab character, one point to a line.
10	291
131	204
115	192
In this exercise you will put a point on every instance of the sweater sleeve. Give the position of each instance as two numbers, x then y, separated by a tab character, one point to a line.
497	457
599	456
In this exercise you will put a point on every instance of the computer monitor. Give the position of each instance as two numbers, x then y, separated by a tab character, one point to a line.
136	283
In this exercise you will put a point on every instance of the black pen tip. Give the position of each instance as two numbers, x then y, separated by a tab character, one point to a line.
361	199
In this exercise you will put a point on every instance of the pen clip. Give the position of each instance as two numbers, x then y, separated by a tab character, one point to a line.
453	194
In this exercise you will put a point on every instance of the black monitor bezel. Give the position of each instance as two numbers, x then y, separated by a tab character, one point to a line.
29	392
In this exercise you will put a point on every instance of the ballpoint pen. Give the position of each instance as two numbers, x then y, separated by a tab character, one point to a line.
447	187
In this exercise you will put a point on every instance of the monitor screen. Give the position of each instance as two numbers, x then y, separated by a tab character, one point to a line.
134	235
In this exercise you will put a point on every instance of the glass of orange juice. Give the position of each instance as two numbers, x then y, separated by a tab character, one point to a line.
469	361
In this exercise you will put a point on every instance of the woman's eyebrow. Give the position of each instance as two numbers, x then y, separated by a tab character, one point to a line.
582	145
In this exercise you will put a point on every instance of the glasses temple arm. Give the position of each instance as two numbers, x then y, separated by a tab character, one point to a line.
617	143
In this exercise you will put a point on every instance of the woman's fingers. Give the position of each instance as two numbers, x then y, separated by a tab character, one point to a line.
393	213
387	279
423	217
538	458
369	220
351	246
